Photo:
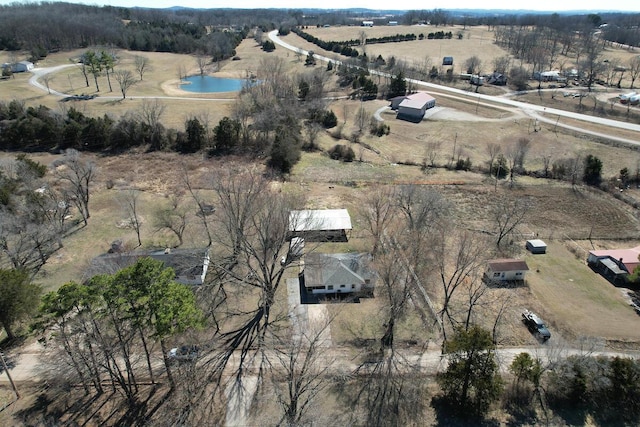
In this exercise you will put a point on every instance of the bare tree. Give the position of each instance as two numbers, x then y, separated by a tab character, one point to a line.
172	218
502	64
125	81
201	61
47	79
181	72
361	119
546	162
204	209
142	65
78	174
431	152
421	207
300	373
493	150
377	209
634	68
458	256
507	214
473	65
312	131
129	202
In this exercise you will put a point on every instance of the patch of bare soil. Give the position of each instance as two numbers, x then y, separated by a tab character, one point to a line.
556	209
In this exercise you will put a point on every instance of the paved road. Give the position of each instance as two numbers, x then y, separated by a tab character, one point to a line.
535	111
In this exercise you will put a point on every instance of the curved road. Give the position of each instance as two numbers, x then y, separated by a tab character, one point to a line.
531	110
38	73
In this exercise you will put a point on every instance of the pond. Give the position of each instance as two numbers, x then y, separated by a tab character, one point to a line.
209	84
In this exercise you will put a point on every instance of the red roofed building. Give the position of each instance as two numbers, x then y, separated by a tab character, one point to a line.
615	264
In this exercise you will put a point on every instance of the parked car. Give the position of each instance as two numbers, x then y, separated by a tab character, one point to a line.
183	353
536	325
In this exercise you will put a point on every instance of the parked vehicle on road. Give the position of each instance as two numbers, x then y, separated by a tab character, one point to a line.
536	325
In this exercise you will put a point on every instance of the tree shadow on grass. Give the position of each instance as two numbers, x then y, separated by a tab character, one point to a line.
139	413
448	415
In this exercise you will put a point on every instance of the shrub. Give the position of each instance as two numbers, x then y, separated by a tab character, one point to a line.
342	152
379	129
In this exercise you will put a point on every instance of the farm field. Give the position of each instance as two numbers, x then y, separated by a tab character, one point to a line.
457	128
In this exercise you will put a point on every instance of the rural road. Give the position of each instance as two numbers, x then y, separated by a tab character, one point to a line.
535	111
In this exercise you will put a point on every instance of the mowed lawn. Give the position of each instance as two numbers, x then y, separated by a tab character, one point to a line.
575	301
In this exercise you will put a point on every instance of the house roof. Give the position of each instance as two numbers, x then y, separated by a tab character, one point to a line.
185	262
613	266
336	269
319	220
417	100
629	257
508	264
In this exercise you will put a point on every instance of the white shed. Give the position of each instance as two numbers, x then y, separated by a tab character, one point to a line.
536	246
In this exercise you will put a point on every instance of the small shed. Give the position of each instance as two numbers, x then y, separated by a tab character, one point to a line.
536	246
506	270
447	60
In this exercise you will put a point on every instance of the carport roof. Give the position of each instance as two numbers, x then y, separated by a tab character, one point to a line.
319	220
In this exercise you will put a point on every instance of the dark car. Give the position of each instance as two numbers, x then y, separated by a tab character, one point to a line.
536	325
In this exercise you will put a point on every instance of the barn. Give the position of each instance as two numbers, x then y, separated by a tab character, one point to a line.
413	107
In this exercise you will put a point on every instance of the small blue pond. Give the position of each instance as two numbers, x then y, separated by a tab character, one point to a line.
208	84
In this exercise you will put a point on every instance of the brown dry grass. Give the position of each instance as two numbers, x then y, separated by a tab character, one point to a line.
557	209
577	302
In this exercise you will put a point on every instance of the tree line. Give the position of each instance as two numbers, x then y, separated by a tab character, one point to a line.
28	27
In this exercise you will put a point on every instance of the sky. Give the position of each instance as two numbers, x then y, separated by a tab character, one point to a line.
540	5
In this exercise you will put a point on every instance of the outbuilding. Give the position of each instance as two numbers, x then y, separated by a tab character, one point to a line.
506	270
414	106
320	225
21	67
536	246
447	60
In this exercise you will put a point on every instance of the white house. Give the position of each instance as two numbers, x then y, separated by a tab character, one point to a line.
506	270
338	273
414	106
367	23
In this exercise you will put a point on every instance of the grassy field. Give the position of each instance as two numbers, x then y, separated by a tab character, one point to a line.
460	128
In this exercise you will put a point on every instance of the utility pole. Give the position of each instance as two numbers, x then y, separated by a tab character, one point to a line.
6	369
